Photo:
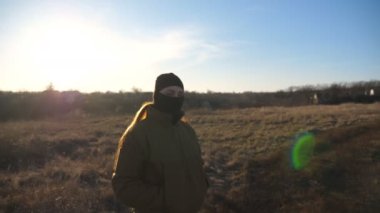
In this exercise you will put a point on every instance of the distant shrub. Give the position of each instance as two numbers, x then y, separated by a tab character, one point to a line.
32	105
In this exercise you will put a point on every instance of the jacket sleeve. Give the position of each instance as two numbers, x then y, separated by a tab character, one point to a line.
200	153
127	179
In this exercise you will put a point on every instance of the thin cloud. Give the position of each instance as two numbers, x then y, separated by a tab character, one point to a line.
66	51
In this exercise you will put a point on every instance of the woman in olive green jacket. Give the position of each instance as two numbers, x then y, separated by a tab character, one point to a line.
158	165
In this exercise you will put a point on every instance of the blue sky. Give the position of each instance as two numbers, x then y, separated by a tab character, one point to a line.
218	45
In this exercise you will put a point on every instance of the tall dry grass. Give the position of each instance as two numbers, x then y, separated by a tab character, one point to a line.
64	164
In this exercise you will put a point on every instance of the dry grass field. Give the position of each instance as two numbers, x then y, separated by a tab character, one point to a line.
63	164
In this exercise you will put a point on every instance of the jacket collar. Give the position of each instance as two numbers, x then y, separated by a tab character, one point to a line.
156	115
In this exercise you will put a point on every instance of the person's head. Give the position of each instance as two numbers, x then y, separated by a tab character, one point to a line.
168	93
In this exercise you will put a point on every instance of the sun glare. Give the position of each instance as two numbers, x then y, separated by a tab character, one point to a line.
66	50
73	53
69	52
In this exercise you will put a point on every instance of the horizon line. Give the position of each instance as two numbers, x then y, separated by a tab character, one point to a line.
138	90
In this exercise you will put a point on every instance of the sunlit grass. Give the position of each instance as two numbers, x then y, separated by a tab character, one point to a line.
64	164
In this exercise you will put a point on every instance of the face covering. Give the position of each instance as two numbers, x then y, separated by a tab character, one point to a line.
169	105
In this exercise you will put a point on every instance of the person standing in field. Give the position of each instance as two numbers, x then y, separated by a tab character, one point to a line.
158	165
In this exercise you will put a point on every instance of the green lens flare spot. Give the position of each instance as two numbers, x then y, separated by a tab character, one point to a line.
302	150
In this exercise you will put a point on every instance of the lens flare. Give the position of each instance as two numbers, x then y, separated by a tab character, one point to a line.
302	150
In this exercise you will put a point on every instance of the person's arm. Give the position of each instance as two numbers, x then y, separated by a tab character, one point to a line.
200	153
127	180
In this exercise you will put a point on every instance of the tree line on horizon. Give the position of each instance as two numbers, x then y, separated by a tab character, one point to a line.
35	105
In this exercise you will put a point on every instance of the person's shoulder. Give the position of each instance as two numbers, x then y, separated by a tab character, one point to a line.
187	126
135	134
142	123
139	126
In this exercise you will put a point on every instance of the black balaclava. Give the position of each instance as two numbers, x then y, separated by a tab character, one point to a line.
167	104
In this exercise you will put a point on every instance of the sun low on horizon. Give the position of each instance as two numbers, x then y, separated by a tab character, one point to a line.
69	52
74	53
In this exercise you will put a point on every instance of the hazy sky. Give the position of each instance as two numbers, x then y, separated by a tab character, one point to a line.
218	45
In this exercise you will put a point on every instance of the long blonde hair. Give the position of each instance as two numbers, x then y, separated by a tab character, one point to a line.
140	115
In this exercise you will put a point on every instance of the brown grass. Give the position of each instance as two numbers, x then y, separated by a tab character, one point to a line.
64	164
